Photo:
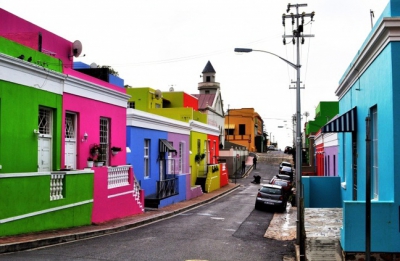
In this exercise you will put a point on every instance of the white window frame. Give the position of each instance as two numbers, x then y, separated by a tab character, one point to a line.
105	139
45	130
181	150
146	165
73	122
374	153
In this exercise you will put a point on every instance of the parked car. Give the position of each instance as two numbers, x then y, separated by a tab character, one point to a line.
288	150
271	196
286	171
282	176
285	184
285	164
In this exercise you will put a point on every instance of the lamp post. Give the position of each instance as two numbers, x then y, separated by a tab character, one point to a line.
299	190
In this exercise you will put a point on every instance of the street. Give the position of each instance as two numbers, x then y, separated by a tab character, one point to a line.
226	229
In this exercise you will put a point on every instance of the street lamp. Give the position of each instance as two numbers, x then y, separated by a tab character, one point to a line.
299	190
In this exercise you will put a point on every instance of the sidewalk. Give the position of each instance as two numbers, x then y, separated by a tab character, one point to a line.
35	240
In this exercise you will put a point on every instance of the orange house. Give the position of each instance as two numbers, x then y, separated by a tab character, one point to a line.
245	127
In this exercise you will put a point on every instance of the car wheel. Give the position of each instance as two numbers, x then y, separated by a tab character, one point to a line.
283	208
257	206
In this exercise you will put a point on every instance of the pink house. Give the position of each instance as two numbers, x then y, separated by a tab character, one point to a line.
93	112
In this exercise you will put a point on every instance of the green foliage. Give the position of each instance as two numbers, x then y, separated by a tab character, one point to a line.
199	157
111	70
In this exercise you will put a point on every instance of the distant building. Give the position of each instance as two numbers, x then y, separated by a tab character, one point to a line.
245	127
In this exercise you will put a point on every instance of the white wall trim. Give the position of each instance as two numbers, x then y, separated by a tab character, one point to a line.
29	74
36	213
387	31
204	128
79	87
121	194
137	118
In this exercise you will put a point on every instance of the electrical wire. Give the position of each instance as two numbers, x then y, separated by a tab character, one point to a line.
308	54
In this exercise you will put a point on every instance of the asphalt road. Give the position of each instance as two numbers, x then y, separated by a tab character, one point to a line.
226	229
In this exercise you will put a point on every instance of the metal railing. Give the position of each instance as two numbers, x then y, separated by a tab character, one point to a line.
167	187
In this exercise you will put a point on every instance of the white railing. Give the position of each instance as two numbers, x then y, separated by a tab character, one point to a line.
56	186
118	176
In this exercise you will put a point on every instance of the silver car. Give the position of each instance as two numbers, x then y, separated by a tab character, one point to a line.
271	196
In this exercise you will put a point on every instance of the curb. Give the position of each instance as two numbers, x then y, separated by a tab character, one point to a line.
93	232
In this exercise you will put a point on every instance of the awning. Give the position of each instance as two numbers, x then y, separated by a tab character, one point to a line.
346	122
229	126
166	146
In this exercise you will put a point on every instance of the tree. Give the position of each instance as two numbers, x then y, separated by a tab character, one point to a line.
110	69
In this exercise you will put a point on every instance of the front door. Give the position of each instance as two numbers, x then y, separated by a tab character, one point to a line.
70	141
44	140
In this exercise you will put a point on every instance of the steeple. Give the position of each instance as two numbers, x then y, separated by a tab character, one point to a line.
208	86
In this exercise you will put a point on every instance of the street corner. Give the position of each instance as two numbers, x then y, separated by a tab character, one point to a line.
283	225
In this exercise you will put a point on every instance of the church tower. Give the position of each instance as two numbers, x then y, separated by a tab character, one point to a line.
209	85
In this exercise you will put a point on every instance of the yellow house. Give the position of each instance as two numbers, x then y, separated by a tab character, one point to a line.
245	127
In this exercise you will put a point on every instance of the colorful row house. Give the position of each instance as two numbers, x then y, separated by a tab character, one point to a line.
326	154
179	156
245	127
321	148
368	181
56	115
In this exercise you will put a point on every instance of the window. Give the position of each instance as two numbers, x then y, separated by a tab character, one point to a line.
104	140
131	105
198	146
334	165
180	155
44	121
344	156
374	153
329	166
170	161
208	79
242	129
146	158
70	126
207	91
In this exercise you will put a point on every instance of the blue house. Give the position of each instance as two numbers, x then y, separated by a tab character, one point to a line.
159	155
369	102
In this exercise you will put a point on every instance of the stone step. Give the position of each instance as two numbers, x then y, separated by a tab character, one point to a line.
327	249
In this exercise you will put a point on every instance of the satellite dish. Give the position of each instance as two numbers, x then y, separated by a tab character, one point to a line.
158	94
171	89
93	65
77	48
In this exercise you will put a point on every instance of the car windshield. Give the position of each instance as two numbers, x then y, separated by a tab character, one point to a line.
280	183
285	177
270	190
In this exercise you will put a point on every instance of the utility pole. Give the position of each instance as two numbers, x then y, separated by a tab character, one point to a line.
297	35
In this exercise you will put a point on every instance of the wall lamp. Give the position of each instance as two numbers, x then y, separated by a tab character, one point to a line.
85	137
36	132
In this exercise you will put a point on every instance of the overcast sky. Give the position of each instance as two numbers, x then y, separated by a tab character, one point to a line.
164	43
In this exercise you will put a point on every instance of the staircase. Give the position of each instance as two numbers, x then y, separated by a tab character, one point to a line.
327	249
136	193
201	181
